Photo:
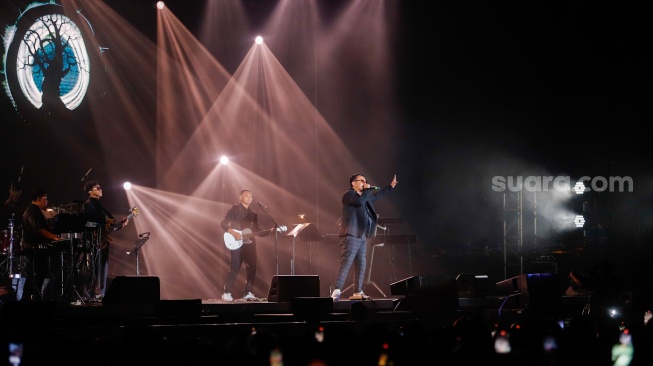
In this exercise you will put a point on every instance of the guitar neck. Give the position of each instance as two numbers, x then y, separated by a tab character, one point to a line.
247	235
280	229
114	225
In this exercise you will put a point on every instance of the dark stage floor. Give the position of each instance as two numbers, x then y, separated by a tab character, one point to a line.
192	331
434	321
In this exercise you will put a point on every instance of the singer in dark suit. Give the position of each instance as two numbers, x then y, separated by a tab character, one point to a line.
357	224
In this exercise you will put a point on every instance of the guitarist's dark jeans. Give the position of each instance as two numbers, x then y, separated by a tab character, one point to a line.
94	277
247	254
100	287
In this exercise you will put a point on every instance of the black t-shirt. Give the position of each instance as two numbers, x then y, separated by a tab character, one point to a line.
33	221
239	218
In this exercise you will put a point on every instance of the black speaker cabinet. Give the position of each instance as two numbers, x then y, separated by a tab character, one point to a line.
427	294
473	285
540	291
422	284
132	290
286	287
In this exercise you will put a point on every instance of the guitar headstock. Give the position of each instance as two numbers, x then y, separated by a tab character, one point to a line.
134	211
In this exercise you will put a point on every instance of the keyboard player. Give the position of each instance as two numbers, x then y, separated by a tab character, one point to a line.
34	248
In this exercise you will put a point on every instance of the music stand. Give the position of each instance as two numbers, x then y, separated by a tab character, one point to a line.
307	233
142	239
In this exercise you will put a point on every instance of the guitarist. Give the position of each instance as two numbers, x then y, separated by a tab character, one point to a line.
99	226
239	217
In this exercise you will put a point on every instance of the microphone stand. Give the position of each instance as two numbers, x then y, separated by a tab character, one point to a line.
276	233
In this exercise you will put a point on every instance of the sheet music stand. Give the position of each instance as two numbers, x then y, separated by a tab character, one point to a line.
307	233
142	239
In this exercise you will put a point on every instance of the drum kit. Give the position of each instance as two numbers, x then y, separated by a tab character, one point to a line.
4	244
10	239
67	221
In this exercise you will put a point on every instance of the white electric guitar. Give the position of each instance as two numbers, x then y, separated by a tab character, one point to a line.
233	244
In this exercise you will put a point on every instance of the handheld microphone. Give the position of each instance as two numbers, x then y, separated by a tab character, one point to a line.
262	205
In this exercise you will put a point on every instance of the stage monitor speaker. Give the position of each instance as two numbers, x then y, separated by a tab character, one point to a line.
422	284
427	294
127	290
473	285
540	291
286	287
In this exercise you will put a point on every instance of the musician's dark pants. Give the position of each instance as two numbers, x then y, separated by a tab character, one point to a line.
37	278
247	254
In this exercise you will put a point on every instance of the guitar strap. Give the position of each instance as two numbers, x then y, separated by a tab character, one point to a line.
109	215
104	210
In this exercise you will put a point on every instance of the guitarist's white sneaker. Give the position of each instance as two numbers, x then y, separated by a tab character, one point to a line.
250	297
227	297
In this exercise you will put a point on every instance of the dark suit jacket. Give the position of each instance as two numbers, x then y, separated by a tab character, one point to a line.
354	211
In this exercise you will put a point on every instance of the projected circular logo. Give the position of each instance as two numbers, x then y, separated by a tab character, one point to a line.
46	65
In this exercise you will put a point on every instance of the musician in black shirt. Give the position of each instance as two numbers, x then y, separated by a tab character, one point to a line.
240	217
34	247
100	224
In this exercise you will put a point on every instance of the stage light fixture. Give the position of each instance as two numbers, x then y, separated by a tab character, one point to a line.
160	5
259	40
127	186
579	221
579	188
224	160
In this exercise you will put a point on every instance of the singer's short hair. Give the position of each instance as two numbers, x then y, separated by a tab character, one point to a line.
90	184
353	177
245	190
38	193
